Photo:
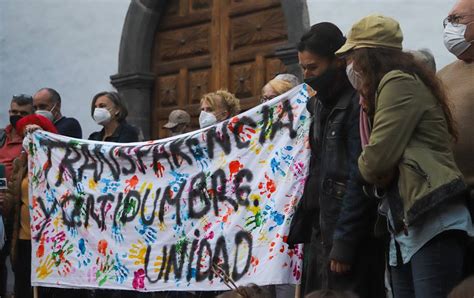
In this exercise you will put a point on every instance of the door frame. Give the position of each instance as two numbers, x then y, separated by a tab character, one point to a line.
135	79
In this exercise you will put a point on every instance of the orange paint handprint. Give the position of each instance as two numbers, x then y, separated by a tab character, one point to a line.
102	247
131	183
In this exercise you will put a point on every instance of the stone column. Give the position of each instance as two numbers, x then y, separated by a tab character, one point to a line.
135	79
297	18
137	90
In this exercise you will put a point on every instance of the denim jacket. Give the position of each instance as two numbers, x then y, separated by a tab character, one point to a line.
347	215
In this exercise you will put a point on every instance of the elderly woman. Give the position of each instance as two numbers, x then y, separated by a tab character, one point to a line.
409	155
278	85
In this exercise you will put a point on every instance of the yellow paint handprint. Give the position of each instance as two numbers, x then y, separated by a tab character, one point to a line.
160	263
44	268
137	253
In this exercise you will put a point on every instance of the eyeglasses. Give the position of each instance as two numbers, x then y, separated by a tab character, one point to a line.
25	97
266	98
454	19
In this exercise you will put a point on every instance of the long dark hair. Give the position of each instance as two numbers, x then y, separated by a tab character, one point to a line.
374	63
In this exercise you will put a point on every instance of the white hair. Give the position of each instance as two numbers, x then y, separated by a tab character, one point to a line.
288	77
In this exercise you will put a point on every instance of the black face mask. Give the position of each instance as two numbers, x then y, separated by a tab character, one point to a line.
14	119
323	82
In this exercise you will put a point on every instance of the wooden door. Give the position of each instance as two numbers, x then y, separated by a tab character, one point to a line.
205	45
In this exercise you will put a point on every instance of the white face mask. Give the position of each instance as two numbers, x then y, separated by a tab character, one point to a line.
206	119
454	39
46	113
101	116
353	76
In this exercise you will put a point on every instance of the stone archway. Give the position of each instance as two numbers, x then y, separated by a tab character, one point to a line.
135	79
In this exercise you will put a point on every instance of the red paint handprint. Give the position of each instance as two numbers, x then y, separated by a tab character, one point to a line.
234	167
245	132
267	188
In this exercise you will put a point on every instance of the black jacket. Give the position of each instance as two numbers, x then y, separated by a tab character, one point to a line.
125	133
346	215
68	126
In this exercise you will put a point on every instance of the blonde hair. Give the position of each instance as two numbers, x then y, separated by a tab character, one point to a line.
230	102
279	86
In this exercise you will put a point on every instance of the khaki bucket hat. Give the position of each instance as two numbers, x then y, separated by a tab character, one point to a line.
373	31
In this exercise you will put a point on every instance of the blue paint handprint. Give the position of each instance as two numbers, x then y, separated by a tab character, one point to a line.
200	155
84	255
121	272
117	233
109	185
148	233
282	160
179	179
274	215
276	167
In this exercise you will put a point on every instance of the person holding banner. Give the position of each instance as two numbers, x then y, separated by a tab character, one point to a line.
410	156
278	85
218	106
18	202
10	147
340	252
108	109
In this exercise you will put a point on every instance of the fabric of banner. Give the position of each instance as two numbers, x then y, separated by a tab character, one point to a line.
159	215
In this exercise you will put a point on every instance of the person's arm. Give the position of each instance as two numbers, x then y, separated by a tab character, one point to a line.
397	115
357	210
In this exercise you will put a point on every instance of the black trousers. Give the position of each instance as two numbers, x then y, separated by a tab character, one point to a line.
22	268
366	277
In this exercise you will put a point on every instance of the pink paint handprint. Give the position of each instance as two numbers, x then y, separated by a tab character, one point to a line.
139	279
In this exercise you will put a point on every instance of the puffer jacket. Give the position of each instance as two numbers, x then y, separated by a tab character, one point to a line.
410	140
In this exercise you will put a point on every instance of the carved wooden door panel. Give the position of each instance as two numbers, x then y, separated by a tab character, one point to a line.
205	45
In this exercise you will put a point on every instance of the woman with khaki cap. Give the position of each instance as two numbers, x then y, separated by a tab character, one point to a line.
409	157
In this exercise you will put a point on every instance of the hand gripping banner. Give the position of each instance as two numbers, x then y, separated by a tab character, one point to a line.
161	215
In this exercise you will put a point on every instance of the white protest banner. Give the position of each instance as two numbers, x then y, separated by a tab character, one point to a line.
157	215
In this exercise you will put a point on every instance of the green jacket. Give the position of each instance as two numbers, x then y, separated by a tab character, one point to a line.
410	134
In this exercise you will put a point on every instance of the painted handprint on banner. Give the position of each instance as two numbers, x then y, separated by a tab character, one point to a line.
245	132
84	255
268	187
256	220
137	253
45	267
121	271
147	232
